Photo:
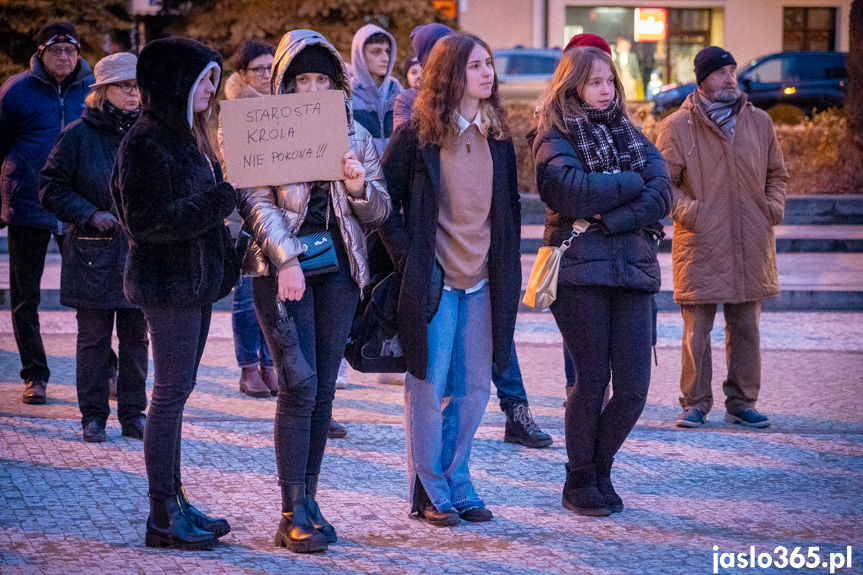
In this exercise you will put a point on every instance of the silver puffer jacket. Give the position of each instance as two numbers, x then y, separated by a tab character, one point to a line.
274	214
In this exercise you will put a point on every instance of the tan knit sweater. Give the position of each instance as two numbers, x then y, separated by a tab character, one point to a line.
464	235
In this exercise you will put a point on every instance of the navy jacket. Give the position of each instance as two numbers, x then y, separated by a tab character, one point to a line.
74	186
413	176
621	252
171	201
32	114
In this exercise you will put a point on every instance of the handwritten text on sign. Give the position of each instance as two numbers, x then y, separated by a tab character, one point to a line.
284	139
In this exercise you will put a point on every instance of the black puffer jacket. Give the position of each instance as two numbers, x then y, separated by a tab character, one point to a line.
171	201
74	186
621	252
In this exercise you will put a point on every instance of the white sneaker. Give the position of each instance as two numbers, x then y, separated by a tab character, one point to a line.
342	379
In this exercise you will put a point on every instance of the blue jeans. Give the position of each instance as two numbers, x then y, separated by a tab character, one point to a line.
509	383
249	343
443	412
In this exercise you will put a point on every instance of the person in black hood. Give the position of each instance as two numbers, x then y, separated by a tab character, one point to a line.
74	186
172	202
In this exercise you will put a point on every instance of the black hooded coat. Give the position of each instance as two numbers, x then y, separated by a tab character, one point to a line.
171	201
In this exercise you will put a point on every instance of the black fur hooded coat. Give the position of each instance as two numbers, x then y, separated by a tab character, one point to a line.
170	200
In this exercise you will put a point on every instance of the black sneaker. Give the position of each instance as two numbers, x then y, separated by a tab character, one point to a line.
336	430
522	429
94	432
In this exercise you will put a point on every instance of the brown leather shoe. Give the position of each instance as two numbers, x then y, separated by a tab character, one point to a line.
34	392
251	383
271	380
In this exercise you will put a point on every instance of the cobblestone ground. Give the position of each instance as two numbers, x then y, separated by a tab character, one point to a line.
71	507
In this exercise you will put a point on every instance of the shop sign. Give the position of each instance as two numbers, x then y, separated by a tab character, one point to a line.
650	24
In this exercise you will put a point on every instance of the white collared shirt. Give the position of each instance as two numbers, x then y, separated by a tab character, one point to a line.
464	124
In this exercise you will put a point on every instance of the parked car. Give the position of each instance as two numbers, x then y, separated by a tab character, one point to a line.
808	81
523	73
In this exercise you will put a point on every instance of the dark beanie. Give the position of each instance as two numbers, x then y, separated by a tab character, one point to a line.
423	39
55	32
588	40
312	59
710	60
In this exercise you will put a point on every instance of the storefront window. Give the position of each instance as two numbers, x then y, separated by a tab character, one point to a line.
809	29
645	66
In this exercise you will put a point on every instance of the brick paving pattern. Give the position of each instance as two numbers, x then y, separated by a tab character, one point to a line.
71	507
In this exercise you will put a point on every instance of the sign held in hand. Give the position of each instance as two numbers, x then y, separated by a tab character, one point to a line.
285	139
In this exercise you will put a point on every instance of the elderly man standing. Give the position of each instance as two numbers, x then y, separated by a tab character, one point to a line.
34	107
728	179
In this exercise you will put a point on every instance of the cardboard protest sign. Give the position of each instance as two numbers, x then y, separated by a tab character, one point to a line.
286	138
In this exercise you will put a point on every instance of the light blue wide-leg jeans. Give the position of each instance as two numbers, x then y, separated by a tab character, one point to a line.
443	412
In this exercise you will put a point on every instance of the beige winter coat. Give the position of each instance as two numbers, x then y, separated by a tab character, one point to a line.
727	194
274	214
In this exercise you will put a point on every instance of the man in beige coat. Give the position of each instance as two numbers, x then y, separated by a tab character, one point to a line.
728	185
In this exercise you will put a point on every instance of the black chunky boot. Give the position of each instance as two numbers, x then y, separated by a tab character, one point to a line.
318	520
217	527
603	483
296	531
168	526
580	494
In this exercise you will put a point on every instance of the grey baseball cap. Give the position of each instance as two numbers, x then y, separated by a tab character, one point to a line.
115	68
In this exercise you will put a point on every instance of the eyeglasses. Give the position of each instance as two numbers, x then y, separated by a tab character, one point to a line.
55	51
259	70
127	87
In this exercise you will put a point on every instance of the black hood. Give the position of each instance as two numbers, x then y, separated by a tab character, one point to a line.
168	73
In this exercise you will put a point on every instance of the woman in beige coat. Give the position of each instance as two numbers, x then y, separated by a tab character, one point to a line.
321	305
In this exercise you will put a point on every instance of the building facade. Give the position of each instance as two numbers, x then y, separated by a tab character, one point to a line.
655	41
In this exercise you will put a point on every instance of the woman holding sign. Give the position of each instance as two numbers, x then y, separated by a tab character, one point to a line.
322	304
454	235
172	202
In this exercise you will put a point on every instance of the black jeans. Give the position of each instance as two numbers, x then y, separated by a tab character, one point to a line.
323	317
27	248
178	337
509	383
606	330
93	363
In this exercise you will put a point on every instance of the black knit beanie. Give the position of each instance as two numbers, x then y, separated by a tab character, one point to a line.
312	59
710	60
55	32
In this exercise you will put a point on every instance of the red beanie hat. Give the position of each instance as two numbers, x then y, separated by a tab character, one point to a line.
588	40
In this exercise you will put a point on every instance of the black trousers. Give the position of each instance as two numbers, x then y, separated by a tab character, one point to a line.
323	318
27	248
609	332
178	336
93	363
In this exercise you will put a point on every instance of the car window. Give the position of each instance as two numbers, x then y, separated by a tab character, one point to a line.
769	72
523	64
817	67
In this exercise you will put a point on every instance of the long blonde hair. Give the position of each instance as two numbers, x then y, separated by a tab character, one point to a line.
562	98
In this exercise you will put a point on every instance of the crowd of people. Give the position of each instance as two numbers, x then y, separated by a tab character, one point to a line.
120	164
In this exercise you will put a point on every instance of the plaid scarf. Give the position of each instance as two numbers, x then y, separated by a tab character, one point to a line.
607	140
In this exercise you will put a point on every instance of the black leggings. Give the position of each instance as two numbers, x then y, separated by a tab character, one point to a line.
608	331
178	336
323	317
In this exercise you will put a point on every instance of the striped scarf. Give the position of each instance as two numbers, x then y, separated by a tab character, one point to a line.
723	114
607	140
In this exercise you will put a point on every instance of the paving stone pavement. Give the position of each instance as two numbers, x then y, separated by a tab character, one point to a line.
71	507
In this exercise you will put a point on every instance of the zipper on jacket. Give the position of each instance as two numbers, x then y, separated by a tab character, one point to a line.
62	108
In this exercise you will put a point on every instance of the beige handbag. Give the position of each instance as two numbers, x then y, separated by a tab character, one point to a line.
542	286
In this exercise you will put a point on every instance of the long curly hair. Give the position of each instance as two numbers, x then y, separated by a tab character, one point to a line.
443	85
562	98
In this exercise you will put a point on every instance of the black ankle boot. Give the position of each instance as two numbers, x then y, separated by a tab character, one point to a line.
603	483
318	520
580	494
296	531
217	527
168	526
